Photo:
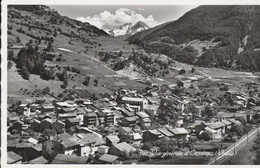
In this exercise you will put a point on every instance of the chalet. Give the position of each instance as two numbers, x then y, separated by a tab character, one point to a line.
13	158
46	124
144	119
58	125
35	107
36	125
61	144
151	135
179	133
137	138
89	143
151	109
121	148
234	122
103	149
129	121
112	139
18	125
108	159
47	108
22	108
125	131
118	117
217	125
43	116
126	113
72	122
69	159
165	132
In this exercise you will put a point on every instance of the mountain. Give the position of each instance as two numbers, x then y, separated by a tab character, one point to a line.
128	29
232	32
47	50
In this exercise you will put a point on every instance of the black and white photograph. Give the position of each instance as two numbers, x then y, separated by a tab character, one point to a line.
130	84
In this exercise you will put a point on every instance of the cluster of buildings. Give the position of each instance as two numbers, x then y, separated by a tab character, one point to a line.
109	129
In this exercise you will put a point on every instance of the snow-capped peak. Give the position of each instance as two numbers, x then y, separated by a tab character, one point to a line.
128	29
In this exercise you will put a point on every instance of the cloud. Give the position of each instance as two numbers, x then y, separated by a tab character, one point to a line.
106	20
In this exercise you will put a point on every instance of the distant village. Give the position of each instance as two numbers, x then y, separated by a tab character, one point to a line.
126	126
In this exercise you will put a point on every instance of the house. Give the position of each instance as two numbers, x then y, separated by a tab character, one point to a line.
118	117
22	108
121	148
165	132
129	121
47	108
18	125
108	159
58	125
72	122
233	121
25	149
151	109
64	116
36	125
90	119
179	133
126	113
89	143
137	138
13	158
135	101
61	144
34	107
46	124
125	131
103	149
213	133
151	135
112	139
69	159
145	122
218	126
38	160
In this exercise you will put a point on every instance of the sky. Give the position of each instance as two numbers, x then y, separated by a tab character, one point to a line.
111	16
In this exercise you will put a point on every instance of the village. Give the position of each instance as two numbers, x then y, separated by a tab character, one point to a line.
126	127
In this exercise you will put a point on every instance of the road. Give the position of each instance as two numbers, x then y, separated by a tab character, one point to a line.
235	147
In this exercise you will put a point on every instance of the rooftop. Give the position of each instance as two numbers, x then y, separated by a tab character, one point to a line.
69	159
123	146
108	158
38	160
178	131
13	157
136	99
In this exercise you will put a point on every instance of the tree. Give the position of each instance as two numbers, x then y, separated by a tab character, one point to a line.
236	130
9	65
208	112
18	40
192	70
125	138
180	83
95	82
182	71
87	80
205	136
46	90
